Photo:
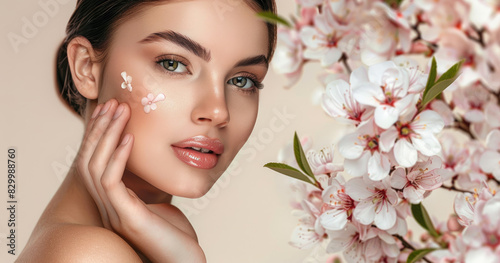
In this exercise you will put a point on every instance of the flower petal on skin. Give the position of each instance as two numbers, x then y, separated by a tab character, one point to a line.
153	106
159	97
147	108
144	101
405	153
150	96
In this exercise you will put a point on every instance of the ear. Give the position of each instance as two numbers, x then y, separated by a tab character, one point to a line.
84	68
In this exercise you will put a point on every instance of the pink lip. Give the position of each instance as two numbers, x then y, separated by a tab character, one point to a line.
195	158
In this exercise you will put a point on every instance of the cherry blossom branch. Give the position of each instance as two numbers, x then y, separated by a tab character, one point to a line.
463	126
453	188
480	36
346	65
409	246
432	46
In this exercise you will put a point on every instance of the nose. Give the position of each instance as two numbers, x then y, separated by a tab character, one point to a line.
211	107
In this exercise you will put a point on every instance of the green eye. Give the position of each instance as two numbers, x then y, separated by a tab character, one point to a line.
173	65
242	82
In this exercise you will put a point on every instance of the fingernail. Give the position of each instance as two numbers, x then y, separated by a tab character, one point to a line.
126	138
118	112
105	108
96	111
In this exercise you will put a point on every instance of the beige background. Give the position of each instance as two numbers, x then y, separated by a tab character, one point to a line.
246	217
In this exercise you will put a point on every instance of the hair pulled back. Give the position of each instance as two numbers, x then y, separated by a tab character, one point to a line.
96	20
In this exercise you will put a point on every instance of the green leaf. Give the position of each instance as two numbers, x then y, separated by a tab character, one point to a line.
300	157
422	217
432	77
288	170
393	3
273	18
442	83
418	254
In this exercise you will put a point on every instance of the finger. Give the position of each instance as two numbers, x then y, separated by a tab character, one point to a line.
109	139
104	149
93	132
121	202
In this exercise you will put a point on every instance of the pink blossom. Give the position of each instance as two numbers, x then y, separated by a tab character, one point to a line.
490	159
338	206
323	39
362	154
338	102
308	231
149	102
322	162
376	202
385	87
411	134
424	176
288	56
361	243
471	101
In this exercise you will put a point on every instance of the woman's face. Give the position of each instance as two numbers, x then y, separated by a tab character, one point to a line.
202	56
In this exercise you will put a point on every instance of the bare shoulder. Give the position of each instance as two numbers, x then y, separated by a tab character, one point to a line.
175	216
78	243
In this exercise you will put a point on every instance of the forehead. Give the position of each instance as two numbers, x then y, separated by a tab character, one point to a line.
226	30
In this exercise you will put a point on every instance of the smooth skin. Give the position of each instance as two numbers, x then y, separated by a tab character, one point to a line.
114	204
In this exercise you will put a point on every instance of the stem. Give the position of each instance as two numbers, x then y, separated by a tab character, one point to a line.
346	65
480	36
408	245
453	188
463	126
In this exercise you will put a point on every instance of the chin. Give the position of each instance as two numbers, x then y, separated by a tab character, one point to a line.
192	190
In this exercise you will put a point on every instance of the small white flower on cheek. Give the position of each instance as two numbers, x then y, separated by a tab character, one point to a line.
127	81
149	102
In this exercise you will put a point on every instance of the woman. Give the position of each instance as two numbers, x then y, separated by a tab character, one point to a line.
169	93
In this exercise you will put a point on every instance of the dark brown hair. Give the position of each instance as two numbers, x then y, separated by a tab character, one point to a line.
96	20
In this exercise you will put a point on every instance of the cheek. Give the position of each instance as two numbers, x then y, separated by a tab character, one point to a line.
243	115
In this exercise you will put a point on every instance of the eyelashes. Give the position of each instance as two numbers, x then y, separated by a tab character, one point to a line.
177	66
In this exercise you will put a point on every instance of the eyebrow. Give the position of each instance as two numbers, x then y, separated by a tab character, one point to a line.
197	49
